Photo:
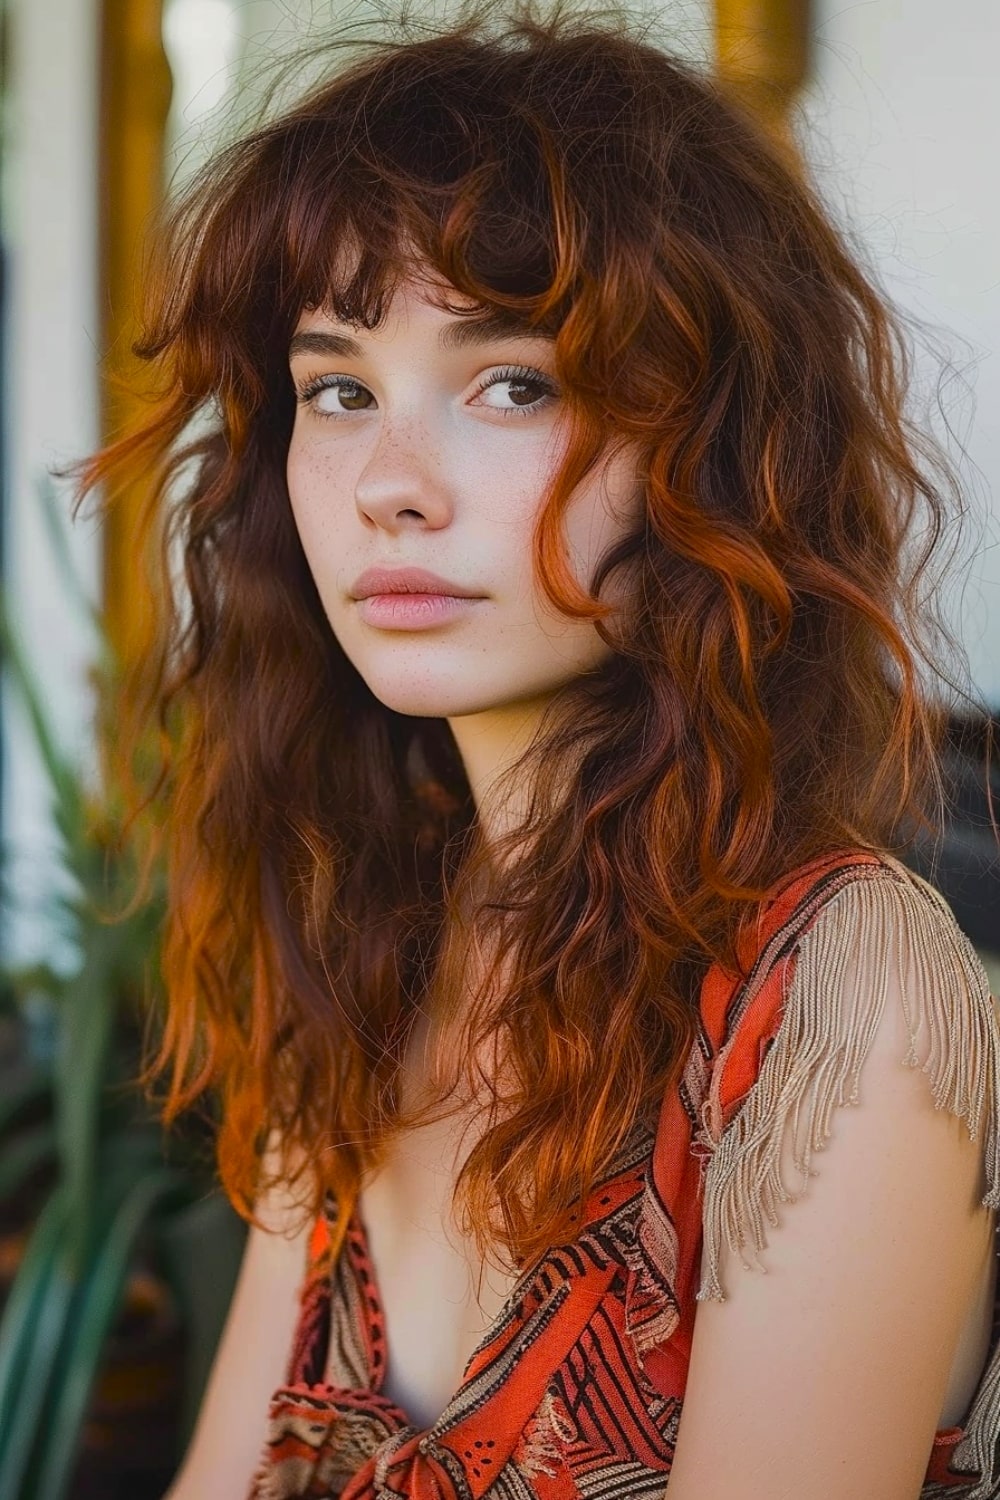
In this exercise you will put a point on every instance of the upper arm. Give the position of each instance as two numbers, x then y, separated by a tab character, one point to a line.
251	1359
825	1377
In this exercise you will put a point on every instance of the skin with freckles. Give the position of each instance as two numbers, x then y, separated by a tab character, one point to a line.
414	453
417	454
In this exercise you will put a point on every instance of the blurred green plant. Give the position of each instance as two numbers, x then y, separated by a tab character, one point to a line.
72	1117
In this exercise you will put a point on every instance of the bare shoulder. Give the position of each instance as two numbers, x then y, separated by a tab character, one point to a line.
882	974
843	1245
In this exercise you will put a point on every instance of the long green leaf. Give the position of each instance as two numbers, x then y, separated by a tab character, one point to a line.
100	1299
55	525
23	1308
61	774
80	1072
32	1403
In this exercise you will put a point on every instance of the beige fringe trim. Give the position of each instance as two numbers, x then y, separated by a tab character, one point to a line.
977	1450
898	924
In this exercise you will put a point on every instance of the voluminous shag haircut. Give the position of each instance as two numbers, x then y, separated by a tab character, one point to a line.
766	699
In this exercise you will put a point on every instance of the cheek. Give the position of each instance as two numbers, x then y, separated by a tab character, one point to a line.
313	495
304	475
314	502
601	514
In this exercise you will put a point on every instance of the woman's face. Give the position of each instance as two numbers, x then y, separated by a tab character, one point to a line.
413	448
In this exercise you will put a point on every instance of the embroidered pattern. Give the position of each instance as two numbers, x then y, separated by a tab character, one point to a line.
577	1389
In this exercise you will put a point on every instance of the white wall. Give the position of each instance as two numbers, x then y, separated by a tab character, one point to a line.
51	393
902	125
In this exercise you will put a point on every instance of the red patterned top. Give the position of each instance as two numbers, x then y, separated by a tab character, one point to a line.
578	1386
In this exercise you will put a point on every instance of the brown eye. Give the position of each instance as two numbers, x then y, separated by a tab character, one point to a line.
348	395
528	391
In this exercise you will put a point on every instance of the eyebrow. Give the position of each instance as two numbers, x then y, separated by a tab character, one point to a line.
461	333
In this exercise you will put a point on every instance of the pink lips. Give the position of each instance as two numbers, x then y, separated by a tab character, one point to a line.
407	581
410	598
413	611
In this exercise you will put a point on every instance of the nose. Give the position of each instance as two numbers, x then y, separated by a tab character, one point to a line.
403	484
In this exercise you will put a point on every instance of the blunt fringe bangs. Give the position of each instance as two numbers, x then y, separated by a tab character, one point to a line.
771	693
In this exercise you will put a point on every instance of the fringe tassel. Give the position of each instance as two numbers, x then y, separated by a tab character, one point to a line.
977	1452
898	924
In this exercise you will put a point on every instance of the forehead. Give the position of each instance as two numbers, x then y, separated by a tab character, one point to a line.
418	302
411	295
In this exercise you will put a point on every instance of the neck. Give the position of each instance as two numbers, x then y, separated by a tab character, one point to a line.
489	744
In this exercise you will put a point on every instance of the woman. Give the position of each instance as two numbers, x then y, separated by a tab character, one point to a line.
532	920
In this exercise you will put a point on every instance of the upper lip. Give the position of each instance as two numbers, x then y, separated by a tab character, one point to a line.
406	581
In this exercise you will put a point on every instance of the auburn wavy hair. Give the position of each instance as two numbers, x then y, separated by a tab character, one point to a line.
765	700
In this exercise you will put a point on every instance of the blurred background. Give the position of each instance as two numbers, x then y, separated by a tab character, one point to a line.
117	1254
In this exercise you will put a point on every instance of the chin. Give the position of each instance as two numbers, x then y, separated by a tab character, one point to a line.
426	701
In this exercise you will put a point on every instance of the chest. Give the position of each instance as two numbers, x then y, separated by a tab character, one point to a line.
438	1298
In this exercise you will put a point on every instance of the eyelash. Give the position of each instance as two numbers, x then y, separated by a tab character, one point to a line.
516	374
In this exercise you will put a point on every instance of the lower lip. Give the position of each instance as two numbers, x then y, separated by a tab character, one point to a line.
412	611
